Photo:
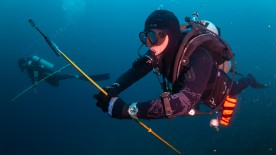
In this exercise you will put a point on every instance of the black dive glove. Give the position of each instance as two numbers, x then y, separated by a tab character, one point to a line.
112	104
103	100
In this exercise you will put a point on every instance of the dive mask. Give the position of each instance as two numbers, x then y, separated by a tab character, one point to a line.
154	36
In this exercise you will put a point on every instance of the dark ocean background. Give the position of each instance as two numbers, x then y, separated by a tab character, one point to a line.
102	36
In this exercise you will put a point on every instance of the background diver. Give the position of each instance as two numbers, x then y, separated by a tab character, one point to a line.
38	68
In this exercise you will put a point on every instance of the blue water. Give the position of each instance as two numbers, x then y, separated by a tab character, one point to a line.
102	36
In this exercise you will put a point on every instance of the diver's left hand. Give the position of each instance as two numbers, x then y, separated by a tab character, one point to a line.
112	104
103	100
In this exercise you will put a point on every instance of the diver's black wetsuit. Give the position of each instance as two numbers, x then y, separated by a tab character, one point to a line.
194	82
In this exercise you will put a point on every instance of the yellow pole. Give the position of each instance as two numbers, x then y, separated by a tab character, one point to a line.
58	52
157	136
84	74
105	93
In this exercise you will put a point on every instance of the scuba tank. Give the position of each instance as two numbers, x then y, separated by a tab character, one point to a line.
43	63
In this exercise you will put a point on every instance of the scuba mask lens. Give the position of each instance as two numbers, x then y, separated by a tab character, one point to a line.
148	35
143	37
151	36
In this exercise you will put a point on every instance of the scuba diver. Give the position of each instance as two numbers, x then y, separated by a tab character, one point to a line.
38	69
191	62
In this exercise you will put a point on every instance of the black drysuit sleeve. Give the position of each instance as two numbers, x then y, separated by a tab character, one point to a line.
140	68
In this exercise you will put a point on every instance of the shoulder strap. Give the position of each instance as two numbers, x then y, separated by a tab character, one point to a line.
198	36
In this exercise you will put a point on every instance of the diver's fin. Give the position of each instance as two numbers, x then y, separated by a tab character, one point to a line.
254	83
97	77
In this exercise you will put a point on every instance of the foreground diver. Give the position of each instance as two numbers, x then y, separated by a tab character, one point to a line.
189	64
38	69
